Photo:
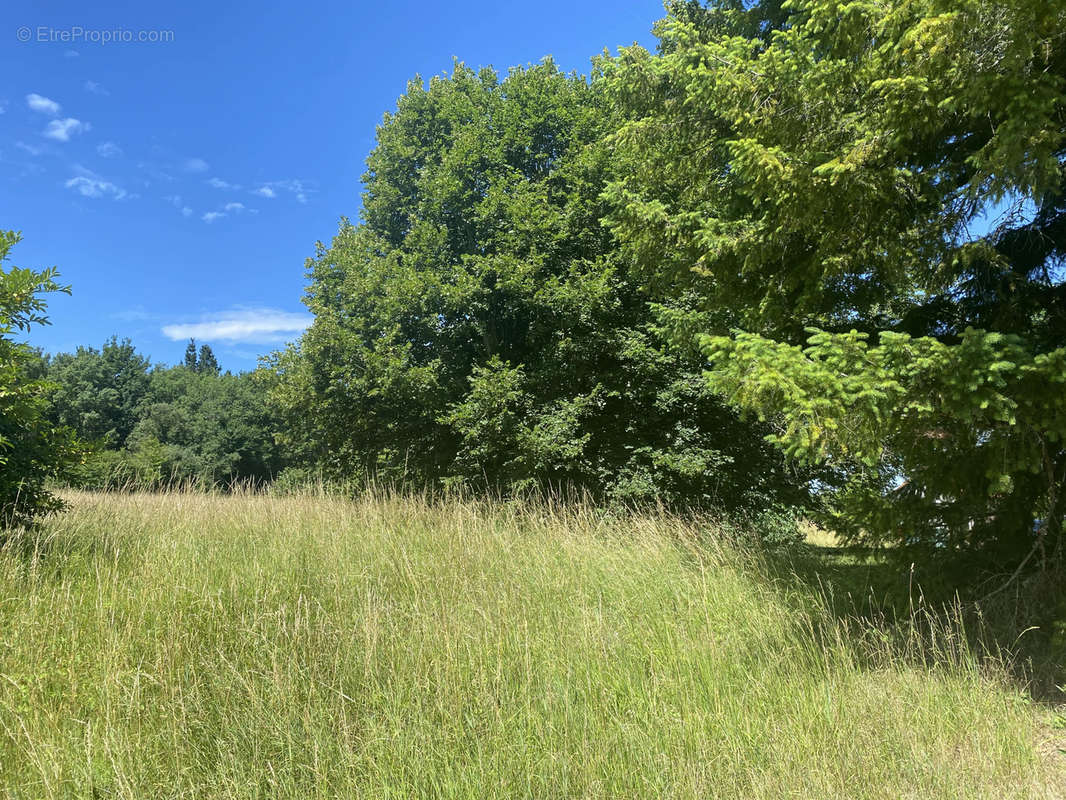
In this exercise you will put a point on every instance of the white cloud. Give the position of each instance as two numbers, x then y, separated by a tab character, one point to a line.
226	210
42	104
33	150
95	88
109	150
218	183
3	107
61	129
93	186
196	165
261	325
71	54
296	188
176	201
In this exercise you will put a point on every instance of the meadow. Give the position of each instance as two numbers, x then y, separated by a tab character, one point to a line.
209	646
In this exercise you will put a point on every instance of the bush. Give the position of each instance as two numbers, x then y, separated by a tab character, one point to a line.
31	449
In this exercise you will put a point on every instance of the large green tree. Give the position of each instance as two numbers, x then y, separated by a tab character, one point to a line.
478	326
99	393
32	450
868	199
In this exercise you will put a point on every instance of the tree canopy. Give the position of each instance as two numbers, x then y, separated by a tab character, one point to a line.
98	393
874	191
479	325
151	426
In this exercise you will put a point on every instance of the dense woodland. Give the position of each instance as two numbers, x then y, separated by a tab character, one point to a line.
152	426
806	259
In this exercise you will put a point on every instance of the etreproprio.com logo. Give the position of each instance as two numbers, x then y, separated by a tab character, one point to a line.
76	34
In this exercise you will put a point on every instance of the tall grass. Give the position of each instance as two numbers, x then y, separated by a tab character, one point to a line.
186	645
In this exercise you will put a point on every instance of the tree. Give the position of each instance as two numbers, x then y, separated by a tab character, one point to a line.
478	327
31	449
190	355
207	363
868	200
99	393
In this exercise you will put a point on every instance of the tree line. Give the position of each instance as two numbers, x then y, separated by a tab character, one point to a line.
152	426
125	423
806	257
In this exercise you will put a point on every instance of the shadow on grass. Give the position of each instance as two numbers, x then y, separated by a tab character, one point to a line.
918	611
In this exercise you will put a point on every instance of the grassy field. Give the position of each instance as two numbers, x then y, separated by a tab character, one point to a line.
214	647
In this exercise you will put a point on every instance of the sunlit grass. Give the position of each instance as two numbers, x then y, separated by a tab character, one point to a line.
817	536
194	646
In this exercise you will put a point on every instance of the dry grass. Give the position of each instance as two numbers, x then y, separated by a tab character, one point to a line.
228	647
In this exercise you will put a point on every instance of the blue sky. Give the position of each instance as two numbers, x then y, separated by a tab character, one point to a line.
180	183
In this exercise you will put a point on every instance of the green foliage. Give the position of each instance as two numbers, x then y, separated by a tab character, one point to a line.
190	355
207	428
165	425
946	430
304	480
99	393
478	328
31	449
207	363
868	199
204	362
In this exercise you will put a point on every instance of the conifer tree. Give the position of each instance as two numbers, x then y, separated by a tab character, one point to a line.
190	355
869	201
207	363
